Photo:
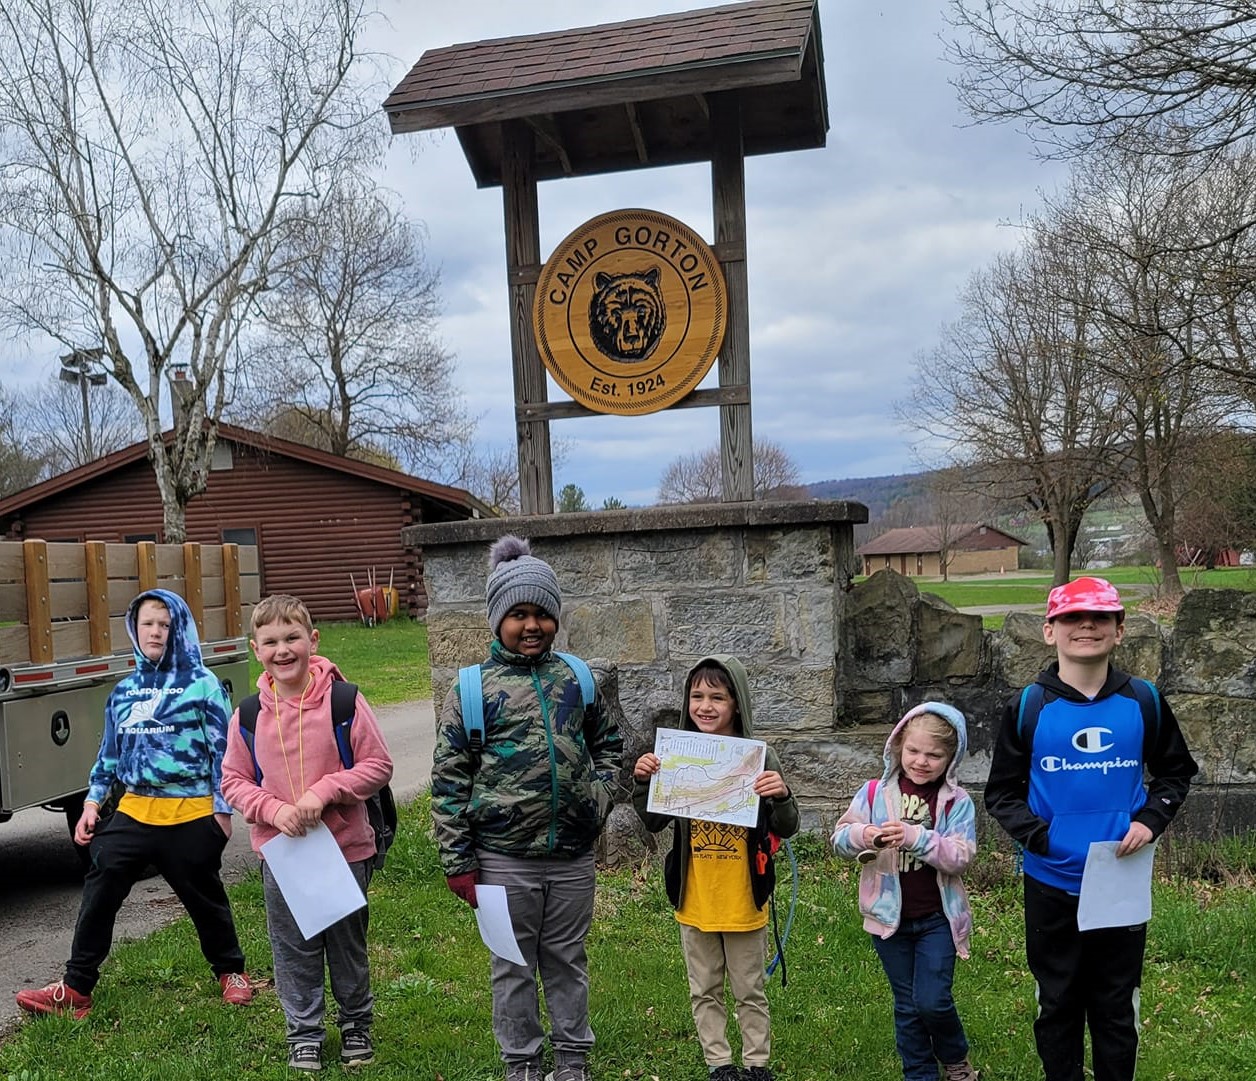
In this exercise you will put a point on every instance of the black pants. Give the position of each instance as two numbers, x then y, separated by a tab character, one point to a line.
189	857
1085	978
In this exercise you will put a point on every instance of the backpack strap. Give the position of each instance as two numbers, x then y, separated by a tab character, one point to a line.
872	793
583	674
1148	698
250	707
344	702
1027	716
471	692
344	698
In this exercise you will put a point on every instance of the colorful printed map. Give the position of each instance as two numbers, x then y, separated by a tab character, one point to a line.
705	776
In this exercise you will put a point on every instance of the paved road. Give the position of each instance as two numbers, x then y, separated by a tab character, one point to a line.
40	881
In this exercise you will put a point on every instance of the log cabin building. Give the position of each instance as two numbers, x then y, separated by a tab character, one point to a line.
318	520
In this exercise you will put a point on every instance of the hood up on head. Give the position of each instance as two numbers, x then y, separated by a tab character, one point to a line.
741	691
948	713
183	647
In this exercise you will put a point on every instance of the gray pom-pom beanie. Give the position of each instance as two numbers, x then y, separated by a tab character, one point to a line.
516	576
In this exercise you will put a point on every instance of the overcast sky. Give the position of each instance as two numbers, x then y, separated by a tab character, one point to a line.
856	252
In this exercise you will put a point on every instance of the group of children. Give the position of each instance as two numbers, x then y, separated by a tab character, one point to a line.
521	790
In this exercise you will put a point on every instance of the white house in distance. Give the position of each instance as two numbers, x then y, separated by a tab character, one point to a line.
916	551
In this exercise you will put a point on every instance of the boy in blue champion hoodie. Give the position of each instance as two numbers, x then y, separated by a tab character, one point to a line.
165	735
1075	776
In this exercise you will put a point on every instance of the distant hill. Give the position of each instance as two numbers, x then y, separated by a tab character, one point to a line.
878	494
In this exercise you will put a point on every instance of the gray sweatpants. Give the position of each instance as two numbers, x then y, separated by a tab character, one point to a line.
551	908
299	964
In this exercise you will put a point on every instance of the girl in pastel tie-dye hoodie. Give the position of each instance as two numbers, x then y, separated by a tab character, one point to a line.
914	831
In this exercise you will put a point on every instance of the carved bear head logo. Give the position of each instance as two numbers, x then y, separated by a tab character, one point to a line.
627	314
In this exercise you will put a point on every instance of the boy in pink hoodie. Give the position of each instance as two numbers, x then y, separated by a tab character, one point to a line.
303	782
914	833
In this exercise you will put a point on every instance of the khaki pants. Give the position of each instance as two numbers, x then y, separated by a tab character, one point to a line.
709	956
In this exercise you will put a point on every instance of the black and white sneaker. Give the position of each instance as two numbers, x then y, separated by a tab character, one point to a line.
356	1048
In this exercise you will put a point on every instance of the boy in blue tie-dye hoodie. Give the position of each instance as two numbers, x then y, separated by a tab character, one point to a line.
165	734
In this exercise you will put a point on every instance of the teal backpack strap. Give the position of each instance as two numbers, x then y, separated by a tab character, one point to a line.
583	674
471	693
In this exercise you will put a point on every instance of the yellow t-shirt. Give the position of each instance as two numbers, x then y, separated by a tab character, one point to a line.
165	810
717	891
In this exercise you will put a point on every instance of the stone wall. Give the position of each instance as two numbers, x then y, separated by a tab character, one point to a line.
646	593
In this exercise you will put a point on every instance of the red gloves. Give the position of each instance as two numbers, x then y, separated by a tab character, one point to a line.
464	885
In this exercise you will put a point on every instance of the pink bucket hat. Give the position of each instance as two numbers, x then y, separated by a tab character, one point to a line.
1083	595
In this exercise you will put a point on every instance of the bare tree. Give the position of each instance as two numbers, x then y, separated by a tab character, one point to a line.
1160	77
1151	299
697	477
349	352
1217	509
151	149
1014	390
51	413
20	466
491	473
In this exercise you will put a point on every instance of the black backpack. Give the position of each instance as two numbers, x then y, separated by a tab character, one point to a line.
381	808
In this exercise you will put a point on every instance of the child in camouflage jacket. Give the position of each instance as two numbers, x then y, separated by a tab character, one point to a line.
525	810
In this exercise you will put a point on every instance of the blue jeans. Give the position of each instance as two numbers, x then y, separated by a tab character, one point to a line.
919	959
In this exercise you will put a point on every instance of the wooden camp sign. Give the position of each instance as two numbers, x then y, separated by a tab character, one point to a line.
630	312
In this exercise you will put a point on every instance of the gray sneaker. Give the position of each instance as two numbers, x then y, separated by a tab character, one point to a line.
305	1056
524	1071
356	1048
570	1071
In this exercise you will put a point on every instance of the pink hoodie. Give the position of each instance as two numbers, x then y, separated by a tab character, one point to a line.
949	847
306	758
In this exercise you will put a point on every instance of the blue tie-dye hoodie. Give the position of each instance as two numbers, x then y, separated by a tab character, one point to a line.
166	722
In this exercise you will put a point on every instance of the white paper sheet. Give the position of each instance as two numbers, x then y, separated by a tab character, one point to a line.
314	878
1115	892
493	916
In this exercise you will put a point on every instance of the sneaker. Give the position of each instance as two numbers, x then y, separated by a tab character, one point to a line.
356	1048
57	997
728	1072
757	1073
569	1071
305	1056
236	989
960	1071
529	1070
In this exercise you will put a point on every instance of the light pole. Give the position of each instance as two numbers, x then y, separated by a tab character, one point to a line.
76	367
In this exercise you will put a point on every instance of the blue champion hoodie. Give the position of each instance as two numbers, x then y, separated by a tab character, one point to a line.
166	722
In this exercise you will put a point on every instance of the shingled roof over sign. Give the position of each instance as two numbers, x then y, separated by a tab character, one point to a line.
626	95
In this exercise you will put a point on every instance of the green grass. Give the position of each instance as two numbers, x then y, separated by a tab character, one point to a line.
389	661
157	1014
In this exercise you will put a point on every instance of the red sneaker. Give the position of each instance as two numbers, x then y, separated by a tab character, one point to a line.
236	989
56	998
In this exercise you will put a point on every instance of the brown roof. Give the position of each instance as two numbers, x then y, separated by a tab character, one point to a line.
969	537
458	499
626	95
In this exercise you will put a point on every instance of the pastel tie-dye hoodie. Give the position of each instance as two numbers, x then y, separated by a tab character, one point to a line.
948	848
166	722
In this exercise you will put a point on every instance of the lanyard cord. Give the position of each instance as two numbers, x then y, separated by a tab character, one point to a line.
283	746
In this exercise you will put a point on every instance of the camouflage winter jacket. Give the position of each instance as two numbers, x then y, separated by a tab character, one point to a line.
542	785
